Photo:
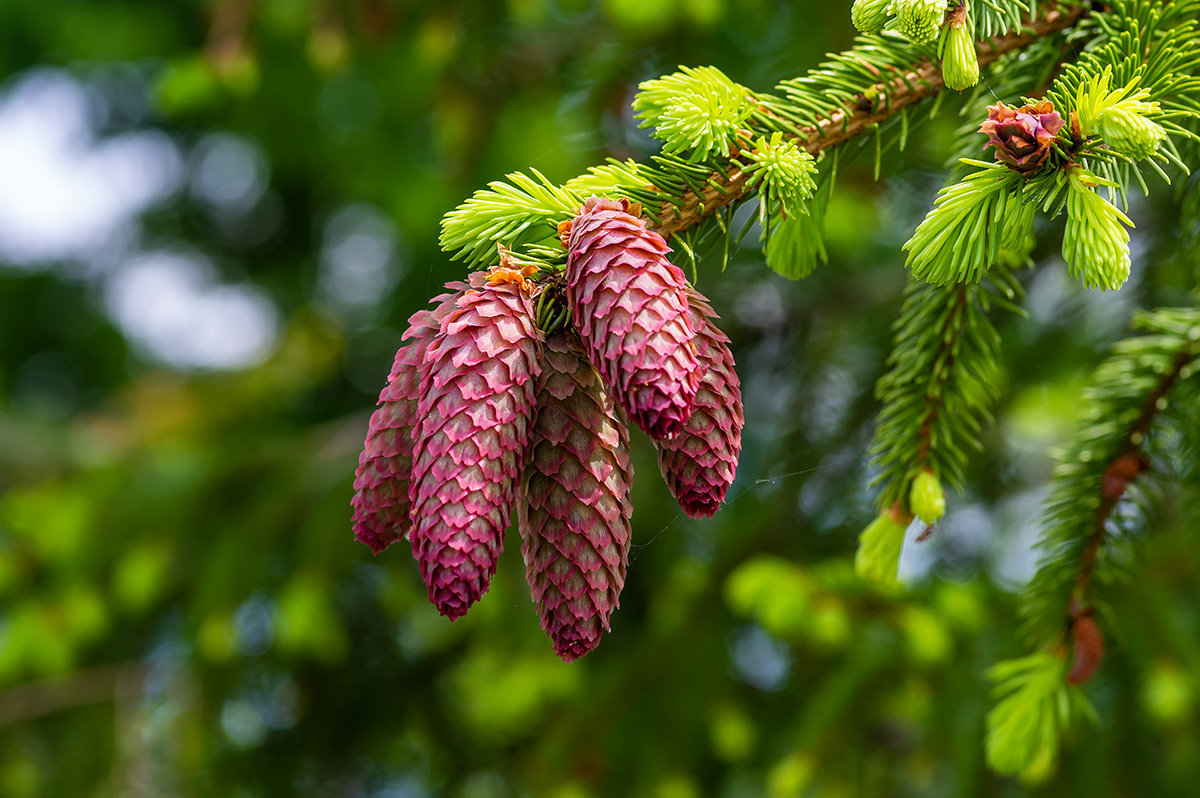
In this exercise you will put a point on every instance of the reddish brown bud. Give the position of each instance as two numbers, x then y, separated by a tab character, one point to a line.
1089	648
1022	136
1121	472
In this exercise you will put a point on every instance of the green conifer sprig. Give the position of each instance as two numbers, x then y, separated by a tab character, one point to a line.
960	238
782	173
794	246
1120	115
1128	392
1034	708
1095	242
880	545
960	64
940	385
523	210
697	110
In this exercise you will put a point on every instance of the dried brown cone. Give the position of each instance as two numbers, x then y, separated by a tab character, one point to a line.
628	304
574	506
700	462
475	418
381	504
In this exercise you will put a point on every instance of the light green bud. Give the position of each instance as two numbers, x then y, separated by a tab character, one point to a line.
879	546
869	16
960	64
1095	241
920	20
926	498
1129	132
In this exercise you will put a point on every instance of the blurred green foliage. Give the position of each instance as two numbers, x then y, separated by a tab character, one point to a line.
183	610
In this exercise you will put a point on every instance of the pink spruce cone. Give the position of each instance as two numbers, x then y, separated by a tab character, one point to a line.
380	500
475	416
699	463
574	510
1022	136
630	308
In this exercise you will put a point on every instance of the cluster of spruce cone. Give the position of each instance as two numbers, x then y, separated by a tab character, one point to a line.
482	412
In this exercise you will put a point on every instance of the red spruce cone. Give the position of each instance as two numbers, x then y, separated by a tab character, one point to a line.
699	463
475	417
380	500
628	304
574	510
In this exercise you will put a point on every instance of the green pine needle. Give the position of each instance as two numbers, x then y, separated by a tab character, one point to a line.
1095	242
696	110
1034	706
525	210
960	237
1141	375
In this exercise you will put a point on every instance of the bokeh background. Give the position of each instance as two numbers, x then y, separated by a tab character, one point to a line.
215	218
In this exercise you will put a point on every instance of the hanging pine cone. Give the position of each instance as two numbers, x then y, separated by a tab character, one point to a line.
475	416
628	304
574	510
381	505
699	463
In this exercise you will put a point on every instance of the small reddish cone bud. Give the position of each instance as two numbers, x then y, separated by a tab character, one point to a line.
380	500
630	308
1121	472
1089	649
699	463
1022	136
574	510
475	414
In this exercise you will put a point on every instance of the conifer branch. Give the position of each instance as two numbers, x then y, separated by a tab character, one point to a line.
937	393
1124	468
1129	394
890	96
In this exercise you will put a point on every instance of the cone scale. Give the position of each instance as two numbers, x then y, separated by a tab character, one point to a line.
381	503
574	509
699	463
629	305
475	417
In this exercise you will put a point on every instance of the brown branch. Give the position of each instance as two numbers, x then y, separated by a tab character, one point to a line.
1084	633
227	32
1123	469
91	686
921	83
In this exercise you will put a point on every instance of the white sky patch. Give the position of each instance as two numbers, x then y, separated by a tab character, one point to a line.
64	194
361	257
69	197
228	173
173	308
